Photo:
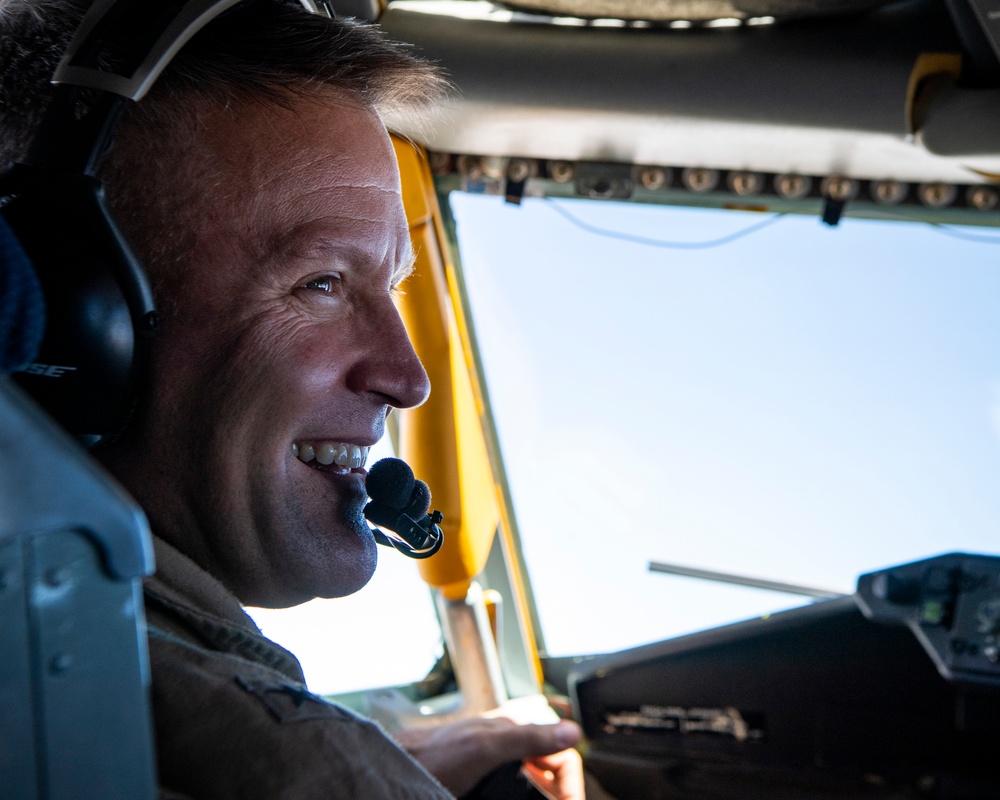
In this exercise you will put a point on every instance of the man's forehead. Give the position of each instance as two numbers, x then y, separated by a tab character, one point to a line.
295	176
310	167
326	140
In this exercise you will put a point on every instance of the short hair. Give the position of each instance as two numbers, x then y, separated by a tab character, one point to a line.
262	50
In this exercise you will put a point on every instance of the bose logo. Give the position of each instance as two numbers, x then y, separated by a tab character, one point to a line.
48	370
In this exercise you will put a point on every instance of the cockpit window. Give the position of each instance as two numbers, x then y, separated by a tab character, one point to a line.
798	404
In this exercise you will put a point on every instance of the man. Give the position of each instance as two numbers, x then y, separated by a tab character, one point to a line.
258	185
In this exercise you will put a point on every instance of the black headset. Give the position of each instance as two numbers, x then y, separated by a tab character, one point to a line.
99	311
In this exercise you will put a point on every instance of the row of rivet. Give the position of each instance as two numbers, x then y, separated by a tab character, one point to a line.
742	183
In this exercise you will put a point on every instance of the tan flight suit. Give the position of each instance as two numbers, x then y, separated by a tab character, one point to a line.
232	714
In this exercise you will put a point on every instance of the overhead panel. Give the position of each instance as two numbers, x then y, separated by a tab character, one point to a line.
820	97
668	10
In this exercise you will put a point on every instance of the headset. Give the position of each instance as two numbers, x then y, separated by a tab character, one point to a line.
98	305
100	317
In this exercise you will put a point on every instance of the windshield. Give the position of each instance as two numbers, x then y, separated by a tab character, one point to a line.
799	404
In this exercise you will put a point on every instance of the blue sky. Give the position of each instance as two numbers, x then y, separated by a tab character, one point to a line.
804	404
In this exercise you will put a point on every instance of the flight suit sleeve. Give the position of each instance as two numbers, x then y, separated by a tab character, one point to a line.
227	727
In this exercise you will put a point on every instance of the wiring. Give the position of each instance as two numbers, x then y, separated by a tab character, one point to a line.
944	230
939	227
947	230
628	237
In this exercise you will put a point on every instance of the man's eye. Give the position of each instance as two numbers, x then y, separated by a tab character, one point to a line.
324	283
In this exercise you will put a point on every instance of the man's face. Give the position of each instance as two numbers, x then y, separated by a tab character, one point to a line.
280	338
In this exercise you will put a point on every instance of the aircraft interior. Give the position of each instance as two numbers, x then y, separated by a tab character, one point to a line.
826	110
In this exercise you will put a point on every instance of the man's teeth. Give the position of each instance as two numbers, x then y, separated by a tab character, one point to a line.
350	456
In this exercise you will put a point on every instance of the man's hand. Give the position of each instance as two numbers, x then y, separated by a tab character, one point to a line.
558	776
460	754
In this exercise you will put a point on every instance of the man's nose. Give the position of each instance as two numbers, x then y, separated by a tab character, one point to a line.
392	368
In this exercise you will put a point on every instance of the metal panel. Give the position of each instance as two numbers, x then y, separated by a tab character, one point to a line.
18	770
95	729
74	672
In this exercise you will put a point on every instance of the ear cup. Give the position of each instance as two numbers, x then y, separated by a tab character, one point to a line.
99	308
22	307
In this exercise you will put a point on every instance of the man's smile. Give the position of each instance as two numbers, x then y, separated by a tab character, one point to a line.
329	456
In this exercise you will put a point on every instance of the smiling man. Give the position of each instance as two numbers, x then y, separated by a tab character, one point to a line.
283	353
258	185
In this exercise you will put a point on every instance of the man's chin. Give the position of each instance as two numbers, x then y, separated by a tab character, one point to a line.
355	574
347	568
335	580
316	553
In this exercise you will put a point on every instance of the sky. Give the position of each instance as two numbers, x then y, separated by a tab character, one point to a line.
804	404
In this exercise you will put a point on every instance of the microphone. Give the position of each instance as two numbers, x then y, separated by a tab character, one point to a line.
399	503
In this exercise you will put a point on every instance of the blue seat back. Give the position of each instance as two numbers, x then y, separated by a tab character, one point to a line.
74	668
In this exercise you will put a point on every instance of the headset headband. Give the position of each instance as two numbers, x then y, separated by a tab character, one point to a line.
153	32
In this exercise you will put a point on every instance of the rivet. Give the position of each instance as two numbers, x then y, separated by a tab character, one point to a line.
518	169
745	183
888	193
983	198
937	195
561	171
471	167
792	187
60	663
699	179
57	576
653	178
838	188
